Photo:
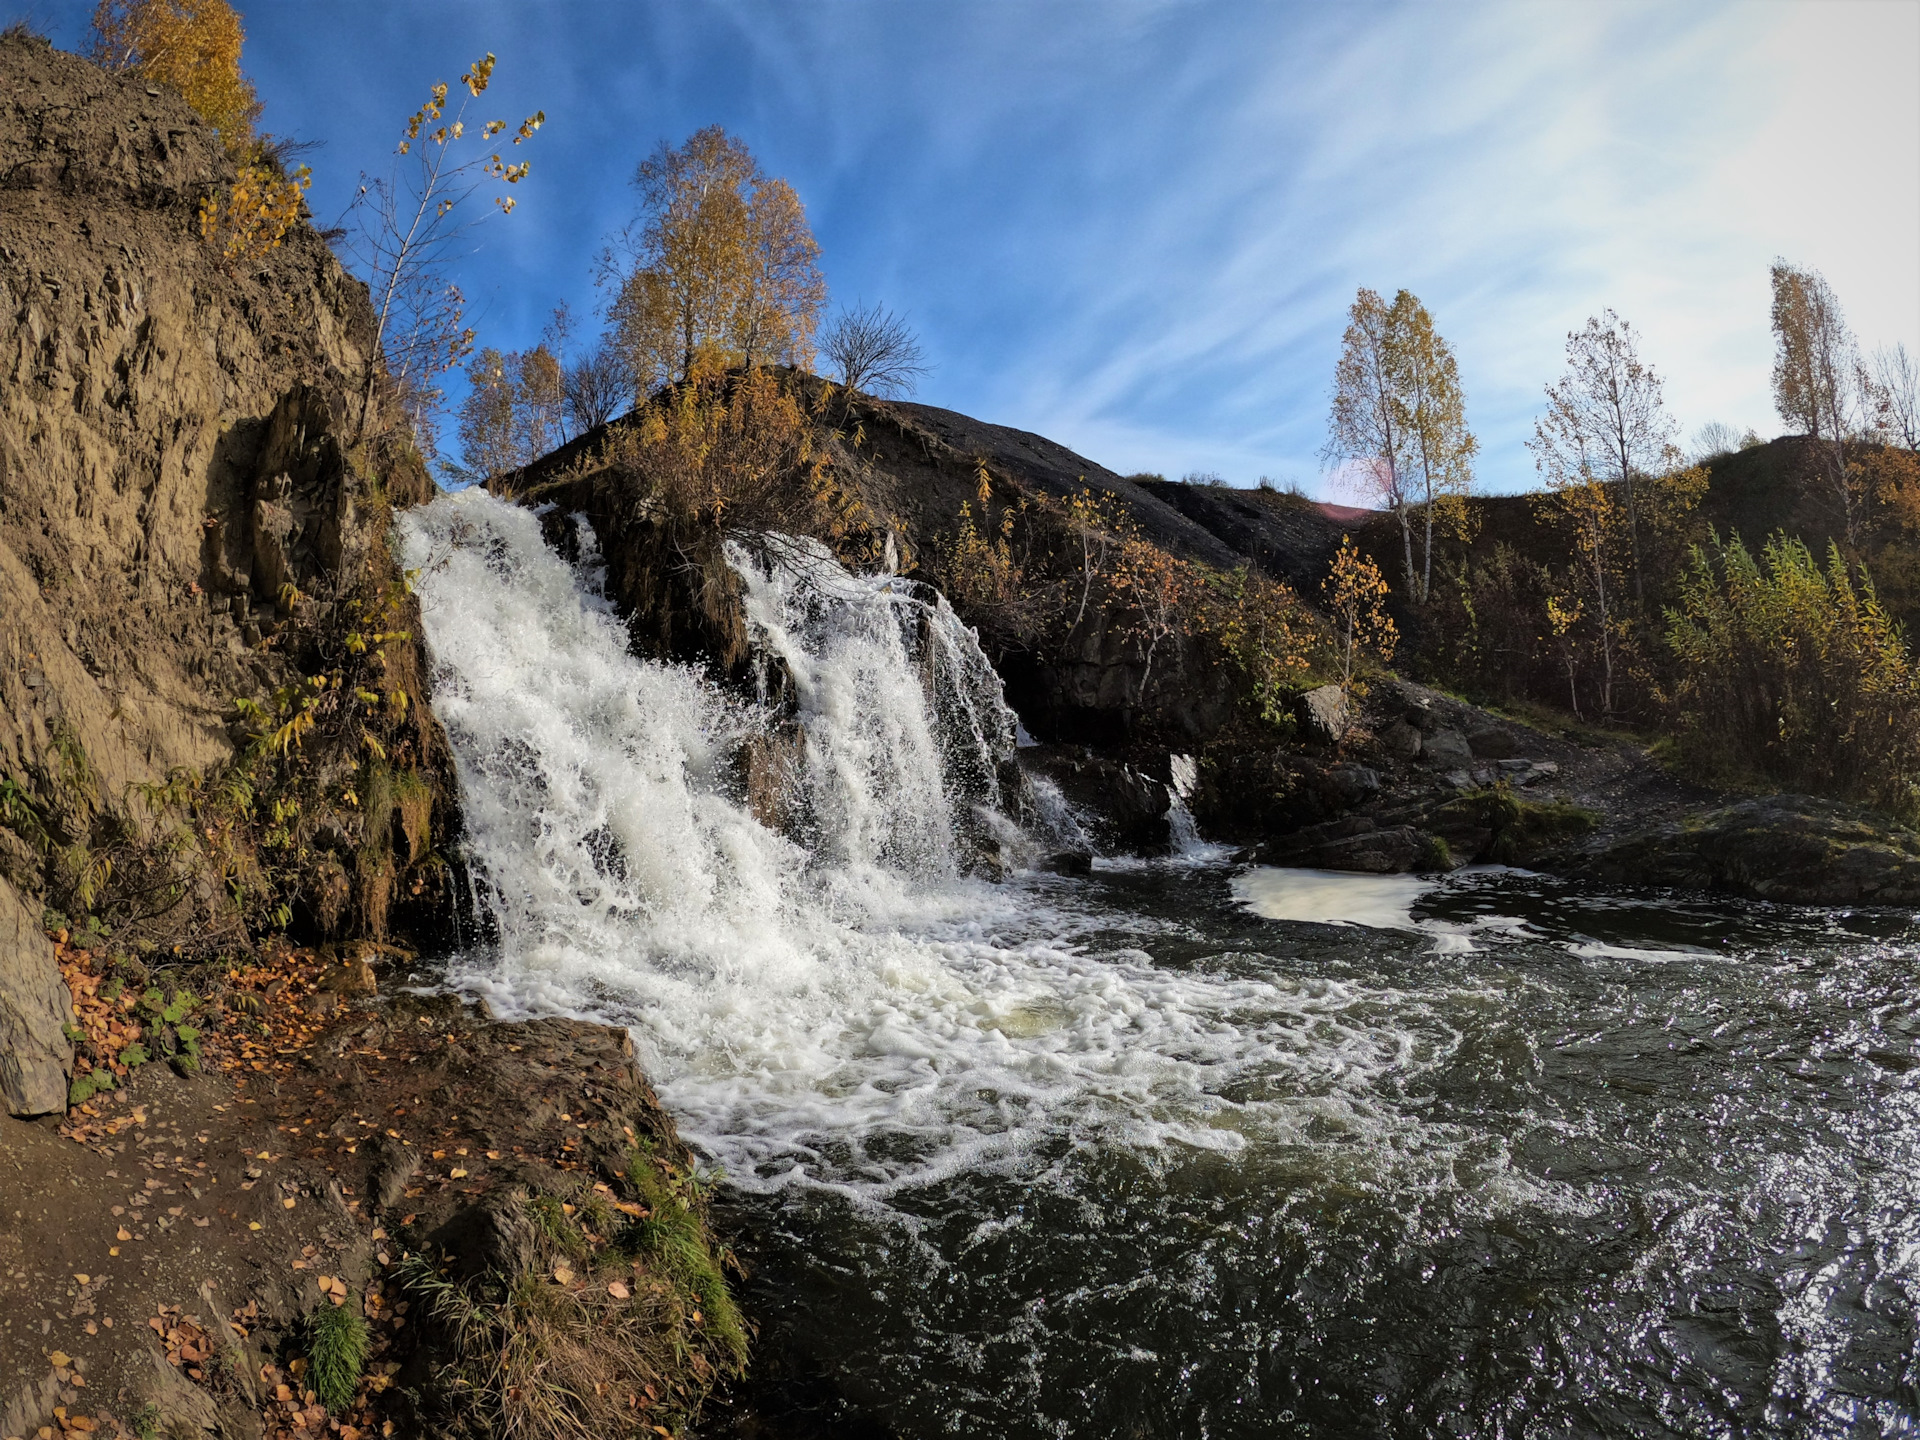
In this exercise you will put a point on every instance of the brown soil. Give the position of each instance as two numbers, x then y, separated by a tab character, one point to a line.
165	1244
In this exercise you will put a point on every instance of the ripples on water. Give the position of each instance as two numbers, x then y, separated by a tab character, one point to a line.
1172	1151
1624	1168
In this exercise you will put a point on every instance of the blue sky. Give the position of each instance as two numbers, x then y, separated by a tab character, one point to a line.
1135	227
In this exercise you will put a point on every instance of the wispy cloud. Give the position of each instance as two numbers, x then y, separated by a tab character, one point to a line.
1136	226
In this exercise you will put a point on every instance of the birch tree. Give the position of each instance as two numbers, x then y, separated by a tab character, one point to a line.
720	269
1606	421
1813	372
1365	429
1399	422
1432	417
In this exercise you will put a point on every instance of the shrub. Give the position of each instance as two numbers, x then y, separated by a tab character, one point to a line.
1795	674
253	215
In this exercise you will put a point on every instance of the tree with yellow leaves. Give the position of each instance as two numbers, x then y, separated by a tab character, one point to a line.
720	270
1398	423
192	45
408	227
512	414
1356	593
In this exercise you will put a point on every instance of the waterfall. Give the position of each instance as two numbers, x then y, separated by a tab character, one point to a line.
907	732
840	1002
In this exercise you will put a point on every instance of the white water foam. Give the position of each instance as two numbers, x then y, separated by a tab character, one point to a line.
1332	897
860	1015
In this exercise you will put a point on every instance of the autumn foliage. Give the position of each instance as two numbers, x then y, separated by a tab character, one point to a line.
192	45
1796	673
721	270
252	216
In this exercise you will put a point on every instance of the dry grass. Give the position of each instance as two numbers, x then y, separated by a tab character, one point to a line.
619	1322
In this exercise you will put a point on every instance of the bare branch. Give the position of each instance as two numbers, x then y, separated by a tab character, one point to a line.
874	352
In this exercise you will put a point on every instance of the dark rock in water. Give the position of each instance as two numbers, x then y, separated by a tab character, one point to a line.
1071	862
1127	809
1325	713
1787	847
1446	750
1353	843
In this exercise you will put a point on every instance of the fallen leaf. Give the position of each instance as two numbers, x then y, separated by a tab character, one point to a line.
457	1173
287	1204
617	1290
60	1360
253	1225
563	1274
84	1279
123	1233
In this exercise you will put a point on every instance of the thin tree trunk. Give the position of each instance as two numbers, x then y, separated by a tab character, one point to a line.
1406	545
1426	577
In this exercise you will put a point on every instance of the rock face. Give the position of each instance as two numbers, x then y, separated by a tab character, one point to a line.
174	471
1127	805
1786	847
36	1059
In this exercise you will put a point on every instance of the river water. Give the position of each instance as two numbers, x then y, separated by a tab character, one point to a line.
1185	1148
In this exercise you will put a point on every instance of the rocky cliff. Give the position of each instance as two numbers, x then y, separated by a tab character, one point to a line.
181	519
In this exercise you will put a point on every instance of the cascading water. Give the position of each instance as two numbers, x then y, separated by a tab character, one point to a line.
907	735
1124	1156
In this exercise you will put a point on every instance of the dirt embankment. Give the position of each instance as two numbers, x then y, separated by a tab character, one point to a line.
171	1246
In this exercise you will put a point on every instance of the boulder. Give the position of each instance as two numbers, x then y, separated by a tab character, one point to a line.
1126	810
1447	750
1492	743
1325	713
36	1058
1403	739
1071	862
1353	784
1354	843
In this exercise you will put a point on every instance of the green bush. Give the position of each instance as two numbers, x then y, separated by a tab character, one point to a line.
1795	674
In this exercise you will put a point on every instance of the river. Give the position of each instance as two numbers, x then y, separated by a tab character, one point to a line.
1184	1148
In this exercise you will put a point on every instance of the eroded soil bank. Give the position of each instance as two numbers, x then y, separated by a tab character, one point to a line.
169	1247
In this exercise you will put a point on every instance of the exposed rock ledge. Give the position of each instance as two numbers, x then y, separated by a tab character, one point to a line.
1785	847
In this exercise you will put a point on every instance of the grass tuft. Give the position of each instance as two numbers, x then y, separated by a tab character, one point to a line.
336	1354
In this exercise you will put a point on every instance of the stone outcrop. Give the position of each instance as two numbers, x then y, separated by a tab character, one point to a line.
36	1059
175	474
1785	847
